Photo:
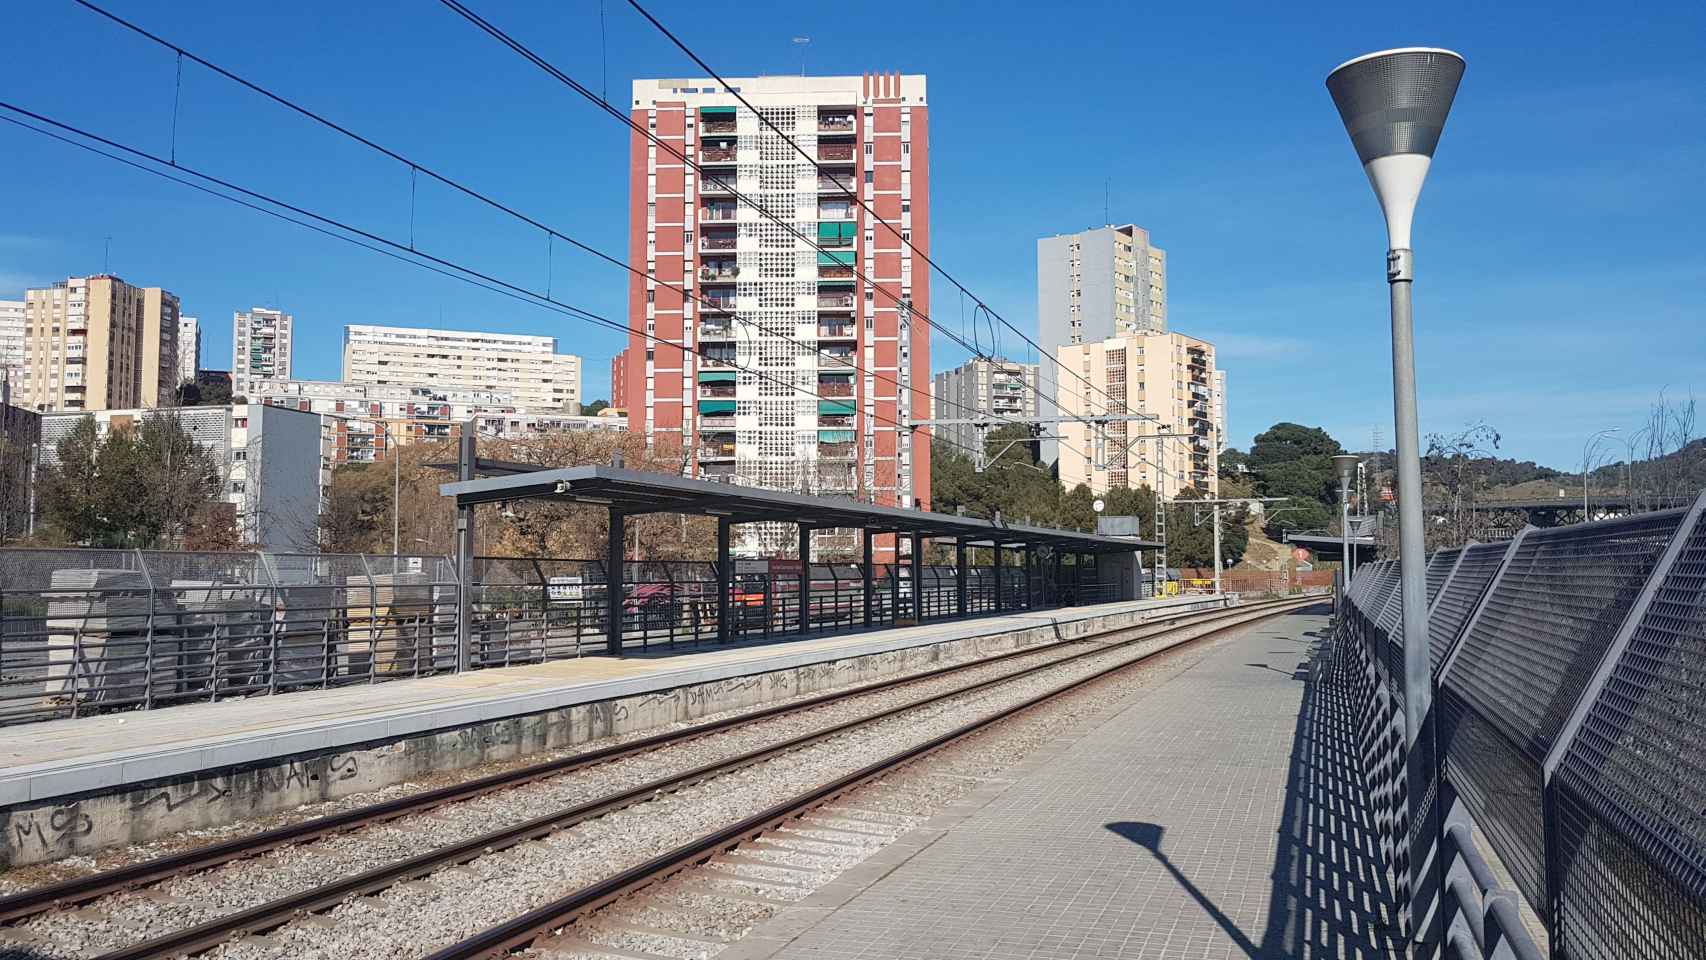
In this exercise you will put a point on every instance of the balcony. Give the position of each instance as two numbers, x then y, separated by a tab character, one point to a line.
718	152
838	301
836	387
713	243
837	354
835	422
717	472
717	451
835	272
718	422
718	300
837	451
717	358
716	185
719	272
718	125
835	153
836	331
716	331
716	391
834	184
835	122
718	213
834	211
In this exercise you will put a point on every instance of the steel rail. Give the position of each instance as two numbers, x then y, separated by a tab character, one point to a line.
80	890
275	913
499	940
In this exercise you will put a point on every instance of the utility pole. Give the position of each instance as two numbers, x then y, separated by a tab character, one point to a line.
1216	503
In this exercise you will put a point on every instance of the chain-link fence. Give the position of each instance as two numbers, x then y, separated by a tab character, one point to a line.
1568	729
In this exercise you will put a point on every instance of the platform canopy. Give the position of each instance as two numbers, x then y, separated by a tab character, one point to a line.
633	492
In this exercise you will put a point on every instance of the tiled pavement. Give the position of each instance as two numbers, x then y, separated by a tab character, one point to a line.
1214	817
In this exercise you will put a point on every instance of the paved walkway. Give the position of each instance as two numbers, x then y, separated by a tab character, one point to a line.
55	758
1215	817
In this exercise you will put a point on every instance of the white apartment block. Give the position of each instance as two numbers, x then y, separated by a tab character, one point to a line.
189	349
268	458
997	389
261	342
12	340
1167	376
527	369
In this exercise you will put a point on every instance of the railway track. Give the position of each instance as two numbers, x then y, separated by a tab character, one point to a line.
1099	657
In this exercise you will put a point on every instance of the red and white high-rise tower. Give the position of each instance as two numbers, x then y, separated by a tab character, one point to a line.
811	356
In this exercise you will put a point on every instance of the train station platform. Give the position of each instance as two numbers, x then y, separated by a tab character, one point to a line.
51	761
1215	816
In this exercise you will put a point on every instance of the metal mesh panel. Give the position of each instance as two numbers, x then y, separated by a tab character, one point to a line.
1631	791
1548	621
1397	102
1439	567
1459	597
1499	785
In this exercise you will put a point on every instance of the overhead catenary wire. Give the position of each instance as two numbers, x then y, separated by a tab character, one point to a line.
397	250
526	53
417	168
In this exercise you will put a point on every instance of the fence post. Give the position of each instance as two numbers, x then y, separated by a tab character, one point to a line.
866	593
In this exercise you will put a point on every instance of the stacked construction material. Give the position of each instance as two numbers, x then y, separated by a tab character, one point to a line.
97	626
389	615
222	638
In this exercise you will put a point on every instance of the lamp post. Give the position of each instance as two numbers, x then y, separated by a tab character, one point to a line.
1587	451
1394	104
1346	465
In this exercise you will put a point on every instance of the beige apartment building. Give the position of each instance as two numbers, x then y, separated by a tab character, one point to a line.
98	343
527	370
1168	376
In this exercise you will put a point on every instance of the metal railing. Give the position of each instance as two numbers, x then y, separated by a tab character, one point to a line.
89	631
1569	673
95	630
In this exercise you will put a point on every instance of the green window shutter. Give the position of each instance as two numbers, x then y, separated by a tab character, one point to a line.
835	258
716	406
835	407
716	376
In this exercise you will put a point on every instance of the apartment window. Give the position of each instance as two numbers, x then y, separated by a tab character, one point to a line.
241	423
239	454
906	206
868	149
651	296
868	177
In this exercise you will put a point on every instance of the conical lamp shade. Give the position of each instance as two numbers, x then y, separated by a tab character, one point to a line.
1394	104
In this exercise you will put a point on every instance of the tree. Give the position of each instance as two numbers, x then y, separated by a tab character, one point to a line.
210	388
592	409
1295	461
1190	532
1455	473
140	486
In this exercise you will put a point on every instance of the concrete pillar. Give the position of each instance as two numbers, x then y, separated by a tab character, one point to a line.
465	469
1030	590
613	556
725	581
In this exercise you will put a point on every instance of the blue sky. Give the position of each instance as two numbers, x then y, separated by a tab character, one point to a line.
1558	244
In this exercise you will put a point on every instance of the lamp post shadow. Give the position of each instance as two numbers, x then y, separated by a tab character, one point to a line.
1148	836
1328	893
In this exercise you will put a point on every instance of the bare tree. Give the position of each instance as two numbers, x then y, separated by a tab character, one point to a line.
1453	478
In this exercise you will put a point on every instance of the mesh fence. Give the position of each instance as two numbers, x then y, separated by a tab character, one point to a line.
1631	790
1611	851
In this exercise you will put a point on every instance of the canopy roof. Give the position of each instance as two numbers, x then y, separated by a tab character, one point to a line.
634	492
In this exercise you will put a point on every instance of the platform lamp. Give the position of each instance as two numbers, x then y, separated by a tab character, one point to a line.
1394	104
1345	465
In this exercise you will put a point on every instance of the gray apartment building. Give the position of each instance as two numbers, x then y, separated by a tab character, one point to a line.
994	388
1099	283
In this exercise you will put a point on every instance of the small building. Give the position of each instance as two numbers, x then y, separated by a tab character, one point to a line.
269	460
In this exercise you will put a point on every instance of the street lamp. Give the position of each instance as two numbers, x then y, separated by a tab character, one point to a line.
1587	451
1345	464
1394	104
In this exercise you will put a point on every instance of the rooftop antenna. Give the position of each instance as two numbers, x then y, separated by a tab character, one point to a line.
1107	185
107	257
803	43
